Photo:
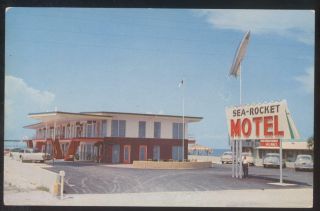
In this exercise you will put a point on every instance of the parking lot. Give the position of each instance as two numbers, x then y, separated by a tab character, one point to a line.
84	178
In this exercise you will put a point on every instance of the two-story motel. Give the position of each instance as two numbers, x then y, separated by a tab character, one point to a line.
110	137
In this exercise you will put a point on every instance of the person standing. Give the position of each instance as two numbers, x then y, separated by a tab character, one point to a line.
245	167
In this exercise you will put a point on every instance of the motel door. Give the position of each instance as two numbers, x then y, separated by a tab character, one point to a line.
177	153
143	152
156	152
126	153
116	153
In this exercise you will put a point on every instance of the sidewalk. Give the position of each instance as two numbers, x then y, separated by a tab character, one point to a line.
299	198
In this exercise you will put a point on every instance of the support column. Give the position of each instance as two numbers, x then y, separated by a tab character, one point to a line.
280	160
240	158
236	158
233	157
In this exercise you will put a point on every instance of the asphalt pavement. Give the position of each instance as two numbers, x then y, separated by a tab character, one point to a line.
84	178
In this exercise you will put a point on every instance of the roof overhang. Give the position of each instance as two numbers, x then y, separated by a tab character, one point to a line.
59	116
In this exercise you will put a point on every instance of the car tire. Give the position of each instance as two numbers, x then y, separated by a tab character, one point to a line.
296	169
264	166
222	162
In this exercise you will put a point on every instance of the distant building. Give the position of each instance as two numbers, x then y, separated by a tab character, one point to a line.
290	149
110	137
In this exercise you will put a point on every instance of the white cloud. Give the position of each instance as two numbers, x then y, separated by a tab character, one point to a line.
307	80
298	25
21	99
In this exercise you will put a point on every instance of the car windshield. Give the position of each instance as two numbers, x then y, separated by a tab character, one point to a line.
35	150
304	158
273	155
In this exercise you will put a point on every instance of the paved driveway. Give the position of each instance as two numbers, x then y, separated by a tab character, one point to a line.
93	178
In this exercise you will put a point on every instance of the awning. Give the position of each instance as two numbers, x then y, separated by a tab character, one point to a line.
289	145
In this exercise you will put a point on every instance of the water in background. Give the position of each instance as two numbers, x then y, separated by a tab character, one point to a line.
10	144
216	152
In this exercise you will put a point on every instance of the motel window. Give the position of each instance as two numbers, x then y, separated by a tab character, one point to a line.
157	129
142	129
91	128
177	130
103	130
118	128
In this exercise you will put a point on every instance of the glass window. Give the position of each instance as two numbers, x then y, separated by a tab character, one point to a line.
115	128
104	128
177	131
118	128
142	129
89	130
157	130
122	128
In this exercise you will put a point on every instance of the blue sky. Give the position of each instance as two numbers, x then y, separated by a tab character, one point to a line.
131	60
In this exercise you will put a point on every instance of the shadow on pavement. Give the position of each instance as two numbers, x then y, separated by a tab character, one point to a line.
265	177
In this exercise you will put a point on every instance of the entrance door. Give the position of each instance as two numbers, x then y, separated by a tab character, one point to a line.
126	153
86	151
115	153
156	152
177	153
143	152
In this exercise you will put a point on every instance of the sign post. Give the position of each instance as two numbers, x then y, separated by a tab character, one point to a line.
233	157
280	161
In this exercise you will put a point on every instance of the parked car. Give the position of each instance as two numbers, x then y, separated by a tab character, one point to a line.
273	160
226	157
249	157
30	154
303	162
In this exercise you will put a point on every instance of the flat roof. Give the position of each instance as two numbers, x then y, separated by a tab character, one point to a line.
142	114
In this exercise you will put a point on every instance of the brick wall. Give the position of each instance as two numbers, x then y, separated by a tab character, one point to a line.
165	147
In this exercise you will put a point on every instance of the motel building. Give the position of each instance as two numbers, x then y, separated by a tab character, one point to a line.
110	137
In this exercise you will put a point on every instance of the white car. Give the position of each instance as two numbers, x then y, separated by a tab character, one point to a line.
303	162
226	157
273	160
30	154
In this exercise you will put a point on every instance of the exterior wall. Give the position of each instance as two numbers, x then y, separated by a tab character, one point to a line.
165	147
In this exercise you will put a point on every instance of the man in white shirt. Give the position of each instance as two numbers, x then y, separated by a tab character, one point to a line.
245	167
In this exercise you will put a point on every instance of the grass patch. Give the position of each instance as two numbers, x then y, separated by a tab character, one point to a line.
42	188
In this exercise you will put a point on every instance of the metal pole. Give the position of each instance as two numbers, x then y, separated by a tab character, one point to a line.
280	161
233	167
240	159
54	139
237	169
240	84
183	131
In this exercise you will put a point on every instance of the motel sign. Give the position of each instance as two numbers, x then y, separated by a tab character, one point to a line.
261	121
